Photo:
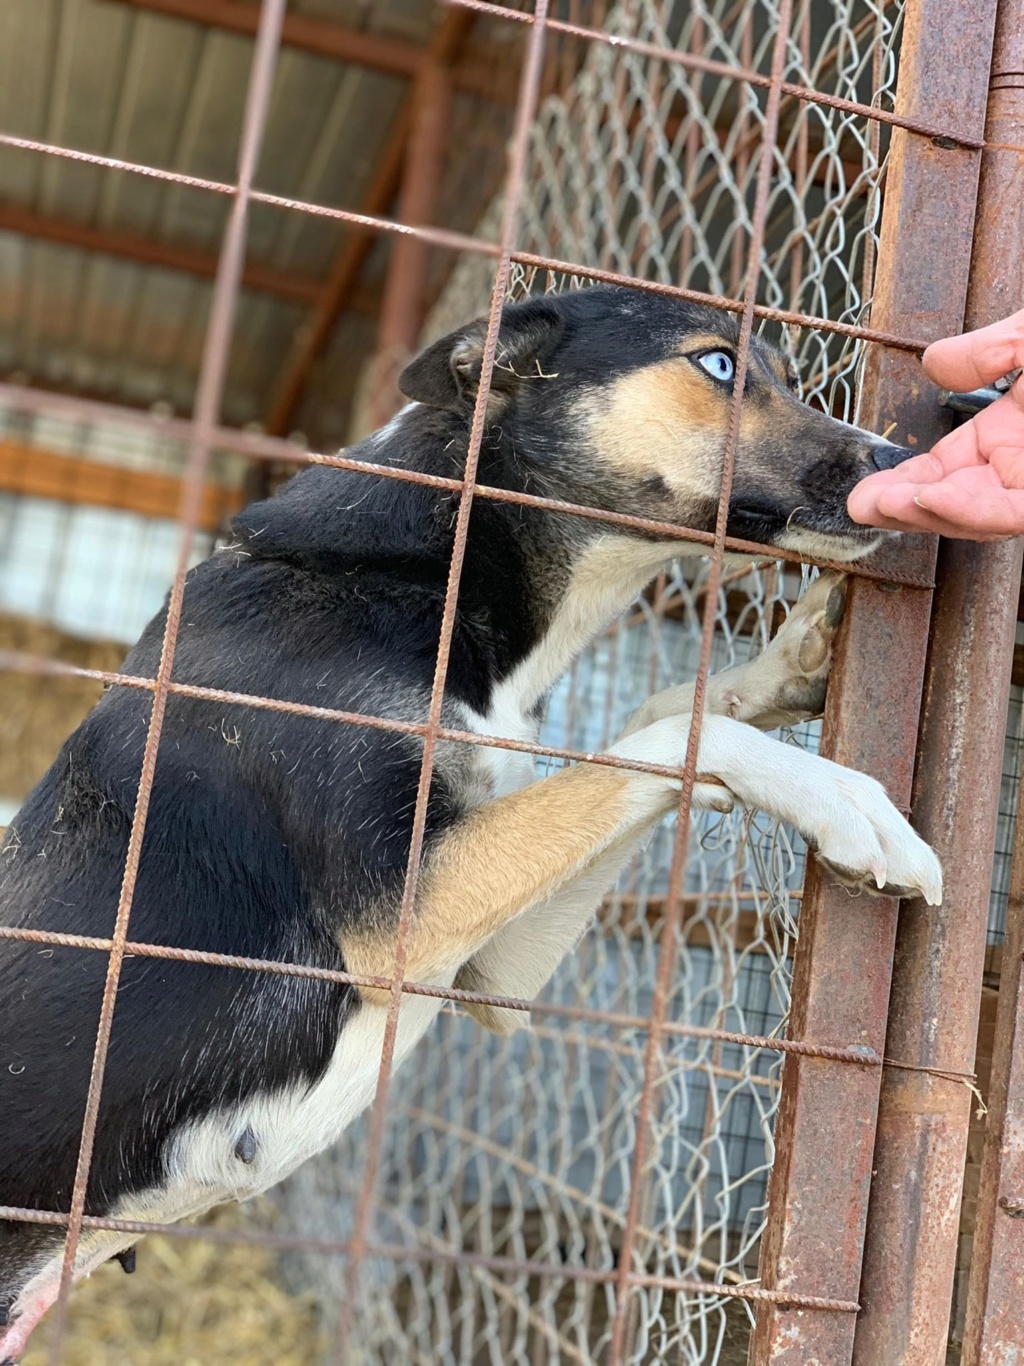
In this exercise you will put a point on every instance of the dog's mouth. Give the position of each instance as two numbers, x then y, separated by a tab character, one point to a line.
822	533
851	544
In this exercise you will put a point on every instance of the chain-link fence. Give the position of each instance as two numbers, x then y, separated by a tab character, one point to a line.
641	168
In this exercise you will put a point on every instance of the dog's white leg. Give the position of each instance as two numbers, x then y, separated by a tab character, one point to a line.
533	847
781	686
844	815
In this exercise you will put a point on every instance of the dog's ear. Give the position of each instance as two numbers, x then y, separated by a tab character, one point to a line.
447	374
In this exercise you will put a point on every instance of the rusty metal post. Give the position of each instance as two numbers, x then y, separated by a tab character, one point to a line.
825	1128
913	1224
994	1329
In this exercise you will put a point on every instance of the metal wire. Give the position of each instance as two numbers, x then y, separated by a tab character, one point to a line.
211	383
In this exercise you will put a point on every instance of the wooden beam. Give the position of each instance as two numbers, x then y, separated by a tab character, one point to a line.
144	250
403	304
445	45
339	286
301	289
36	473
327	38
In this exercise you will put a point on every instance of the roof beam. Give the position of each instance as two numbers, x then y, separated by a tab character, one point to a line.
404	302
340	284
325	38
36	473
146	251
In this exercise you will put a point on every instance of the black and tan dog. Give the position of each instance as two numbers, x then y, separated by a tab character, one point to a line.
281	837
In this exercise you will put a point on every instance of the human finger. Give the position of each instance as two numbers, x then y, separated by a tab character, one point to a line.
979	357
991	513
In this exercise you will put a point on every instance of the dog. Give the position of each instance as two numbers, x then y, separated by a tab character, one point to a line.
282	837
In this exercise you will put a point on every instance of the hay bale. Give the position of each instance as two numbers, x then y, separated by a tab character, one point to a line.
38	714
189	1303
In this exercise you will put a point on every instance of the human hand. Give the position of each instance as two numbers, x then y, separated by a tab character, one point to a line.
971	484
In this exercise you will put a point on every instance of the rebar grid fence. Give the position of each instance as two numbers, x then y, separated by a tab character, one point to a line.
595	1190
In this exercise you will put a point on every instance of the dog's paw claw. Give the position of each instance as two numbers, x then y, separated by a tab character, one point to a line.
930	892
814	650
836	604
876	850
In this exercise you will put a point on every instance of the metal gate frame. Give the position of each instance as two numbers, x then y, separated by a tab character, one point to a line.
897	1161
994	1328
872	1130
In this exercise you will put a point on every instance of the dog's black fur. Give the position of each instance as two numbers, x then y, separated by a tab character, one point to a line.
267	834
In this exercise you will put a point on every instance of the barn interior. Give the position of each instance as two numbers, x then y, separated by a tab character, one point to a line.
400	112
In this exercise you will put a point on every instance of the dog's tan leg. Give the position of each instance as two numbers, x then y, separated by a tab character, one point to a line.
524	850
521	958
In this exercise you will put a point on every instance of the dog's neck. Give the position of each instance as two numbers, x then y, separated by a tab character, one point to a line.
536	586
602	581
573	576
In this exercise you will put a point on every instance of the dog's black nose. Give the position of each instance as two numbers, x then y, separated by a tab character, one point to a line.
886	457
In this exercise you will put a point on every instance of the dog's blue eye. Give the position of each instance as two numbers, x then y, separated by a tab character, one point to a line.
719	365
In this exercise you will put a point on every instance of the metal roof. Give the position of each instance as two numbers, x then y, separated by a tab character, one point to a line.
112	77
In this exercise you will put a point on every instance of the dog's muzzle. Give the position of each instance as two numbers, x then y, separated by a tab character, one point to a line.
887	457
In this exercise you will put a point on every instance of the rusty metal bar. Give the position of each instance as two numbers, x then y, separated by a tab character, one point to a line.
400	1253
667	939
517	160
454	241
956	132
912	1233
262	447
617	1019
913	1227
994	1329
824	1134
211	385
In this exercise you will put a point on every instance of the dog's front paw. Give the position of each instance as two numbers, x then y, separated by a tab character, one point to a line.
869	845
786	683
